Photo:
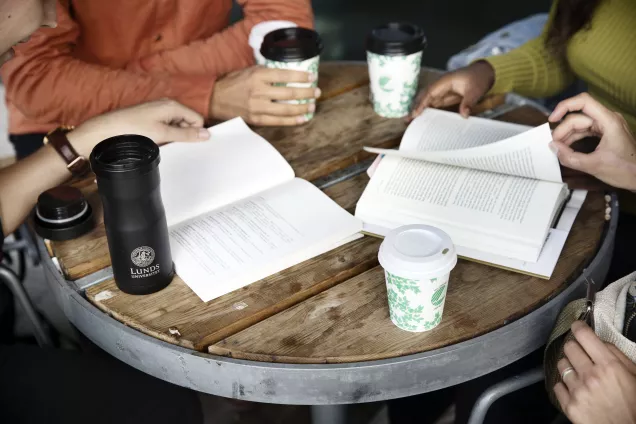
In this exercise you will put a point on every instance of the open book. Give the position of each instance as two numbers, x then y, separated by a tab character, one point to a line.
494	187
237	214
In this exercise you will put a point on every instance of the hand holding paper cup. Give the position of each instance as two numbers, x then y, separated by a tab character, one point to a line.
297	49
417	261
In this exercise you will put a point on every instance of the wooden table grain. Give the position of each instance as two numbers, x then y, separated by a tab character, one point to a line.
333	308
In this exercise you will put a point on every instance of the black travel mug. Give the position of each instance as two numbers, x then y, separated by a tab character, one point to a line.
127	169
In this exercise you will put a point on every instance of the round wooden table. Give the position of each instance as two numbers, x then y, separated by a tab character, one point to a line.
319	333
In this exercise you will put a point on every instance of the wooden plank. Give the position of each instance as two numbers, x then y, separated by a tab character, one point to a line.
336	78
350	322
347	193
177	315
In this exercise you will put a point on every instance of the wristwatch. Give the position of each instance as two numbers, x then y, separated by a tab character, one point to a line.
76	164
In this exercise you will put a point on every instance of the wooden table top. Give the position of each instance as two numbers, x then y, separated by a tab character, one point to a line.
332	308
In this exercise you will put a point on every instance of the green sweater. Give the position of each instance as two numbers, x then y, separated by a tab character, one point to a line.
604	56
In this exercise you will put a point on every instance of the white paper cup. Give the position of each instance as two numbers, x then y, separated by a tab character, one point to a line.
258	33
394	56
417	261
394	81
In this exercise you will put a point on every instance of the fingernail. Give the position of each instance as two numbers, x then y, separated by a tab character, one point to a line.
553	147
302	119
204	134
312	107
312	77
318	93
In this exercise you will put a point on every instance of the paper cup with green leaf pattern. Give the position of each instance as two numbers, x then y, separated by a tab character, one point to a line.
297	49
394	56
417	261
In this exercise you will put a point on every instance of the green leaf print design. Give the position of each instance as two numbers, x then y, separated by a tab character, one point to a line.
403	314
439	295
384	80
401	311
378	59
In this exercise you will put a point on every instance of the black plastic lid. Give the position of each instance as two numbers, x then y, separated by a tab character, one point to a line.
61	203
62	213
291	45
396	39
124	156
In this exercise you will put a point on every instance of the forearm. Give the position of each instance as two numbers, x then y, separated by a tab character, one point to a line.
65	90
530	70
23	182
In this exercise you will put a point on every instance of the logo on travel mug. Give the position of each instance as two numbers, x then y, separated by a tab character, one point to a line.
142	256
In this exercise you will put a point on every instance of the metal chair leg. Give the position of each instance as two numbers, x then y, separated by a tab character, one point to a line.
13	282
329	414
512	384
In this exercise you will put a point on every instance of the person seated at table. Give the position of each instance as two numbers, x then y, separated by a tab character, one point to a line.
105	55
589	40
46	385
585	39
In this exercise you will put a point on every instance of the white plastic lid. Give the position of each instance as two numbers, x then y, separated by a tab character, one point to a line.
259	31
414	251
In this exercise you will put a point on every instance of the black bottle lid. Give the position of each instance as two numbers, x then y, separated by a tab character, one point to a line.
291	45
396	39
62	213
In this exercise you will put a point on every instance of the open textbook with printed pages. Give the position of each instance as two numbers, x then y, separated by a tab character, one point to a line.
236	213
494	187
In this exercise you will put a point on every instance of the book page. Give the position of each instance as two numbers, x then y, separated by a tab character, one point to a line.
246	241
436	130
477	144
235	163
493	205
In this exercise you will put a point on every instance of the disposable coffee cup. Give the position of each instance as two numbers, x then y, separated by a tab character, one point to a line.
394	56
417	261
258	33
297	49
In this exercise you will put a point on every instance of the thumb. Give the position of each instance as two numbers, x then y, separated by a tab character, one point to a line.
172	133
470	99
579	161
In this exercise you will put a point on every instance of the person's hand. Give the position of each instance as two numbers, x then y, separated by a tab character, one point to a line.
614	160
251	94
162	121
599	382
464	86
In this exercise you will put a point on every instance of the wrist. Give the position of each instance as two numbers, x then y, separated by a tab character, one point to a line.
485	71
83	140
628	170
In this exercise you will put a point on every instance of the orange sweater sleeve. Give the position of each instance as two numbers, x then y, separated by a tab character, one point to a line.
228	50
45	82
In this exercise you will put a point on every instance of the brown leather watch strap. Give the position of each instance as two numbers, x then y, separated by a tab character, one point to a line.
76	164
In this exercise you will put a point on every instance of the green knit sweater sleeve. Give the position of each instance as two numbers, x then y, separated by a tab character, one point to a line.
531	70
